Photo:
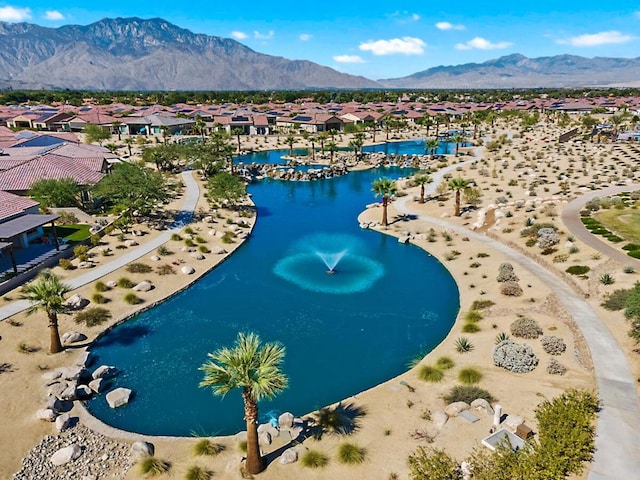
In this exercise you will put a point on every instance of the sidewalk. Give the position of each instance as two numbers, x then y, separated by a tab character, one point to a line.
192	194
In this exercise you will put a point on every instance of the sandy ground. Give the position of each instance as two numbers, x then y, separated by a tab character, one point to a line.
394	411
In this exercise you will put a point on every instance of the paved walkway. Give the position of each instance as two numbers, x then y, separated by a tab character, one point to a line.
192	194
617	441
571	218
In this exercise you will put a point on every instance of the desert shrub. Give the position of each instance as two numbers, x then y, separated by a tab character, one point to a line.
24	347
197	473
554	367
132	299
203	249
463	345
106	252
65	264
99	298
100	286
511	289
628	269
227	237
471	327
577	269
93	316
200	240
501	337
631	246
607	279
506	273
445	363
616	300
165	270
80	251
526	327
350	453
515	357
530	242
138	268
482	304
242	446
483	255
188	231
153	466
314	459
175	237
163	251
189	243
553	345
207	447
467	393
451	255
431	374
124	282
561	258
473	316
547	237
469	376
428	464
548	251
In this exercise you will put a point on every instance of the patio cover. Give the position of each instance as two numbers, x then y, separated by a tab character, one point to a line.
23	224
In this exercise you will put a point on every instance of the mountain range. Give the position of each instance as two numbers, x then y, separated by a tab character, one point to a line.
153	54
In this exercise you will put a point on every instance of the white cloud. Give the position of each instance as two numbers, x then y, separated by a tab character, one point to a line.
13	14
238	35
415	17
595	39
305	37
482	44
449	26
53	15
264	36
404	16
404	45
348	59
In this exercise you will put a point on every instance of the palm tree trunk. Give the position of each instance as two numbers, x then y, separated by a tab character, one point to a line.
457	148
422	193
457	212
384	212
55	343
255	462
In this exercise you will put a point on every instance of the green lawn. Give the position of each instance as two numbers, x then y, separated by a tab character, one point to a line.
625	223
73	233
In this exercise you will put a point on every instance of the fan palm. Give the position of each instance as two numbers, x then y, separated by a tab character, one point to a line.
458	184
46	293
290	140
458	139
422	180
431	145
255	368
385	188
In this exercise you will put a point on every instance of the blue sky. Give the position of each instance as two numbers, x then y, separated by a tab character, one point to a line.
378	39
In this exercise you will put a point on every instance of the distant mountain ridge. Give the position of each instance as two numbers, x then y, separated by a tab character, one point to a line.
137	54
518	71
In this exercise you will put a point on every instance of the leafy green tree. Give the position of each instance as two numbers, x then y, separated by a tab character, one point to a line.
132	188
225	187
385	188
457	185
55	193
422	179
216	152
433	464
95	133
47	293
472	196
255	368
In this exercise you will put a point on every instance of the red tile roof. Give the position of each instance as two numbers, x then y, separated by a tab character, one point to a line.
12	205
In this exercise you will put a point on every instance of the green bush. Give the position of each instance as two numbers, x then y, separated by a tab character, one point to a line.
577	269
163	251
431	374
80	251
616	300
65	264
138	268
467	393
100	286
471	327
203	249
469	376
631	246
473	316
350	453
482	304
188	231
207	447
132	299
228	237
165	270
153	466
445	363
175	237
124	282
93	316
197	473
634	253
189	243
433	464
99	298
314	459
463	345
242	446
200	240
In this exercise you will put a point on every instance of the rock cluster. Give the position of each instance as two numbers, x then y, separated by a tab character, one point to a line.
515	357
93	457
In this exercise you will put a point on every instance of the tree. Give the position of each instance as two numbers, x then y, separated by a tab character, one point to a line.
55	193
422	180
128	142
433	464
95	133
431	145
133	188
312	139
322	137
237	132
385	188
332	147
225	187
290	140
472	196
47	293
458	139
199	127
458	184
116	125
255	368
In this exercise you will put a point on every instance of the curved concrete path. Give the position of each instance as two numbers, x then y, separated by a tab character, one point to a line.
192	193
617	440
571	218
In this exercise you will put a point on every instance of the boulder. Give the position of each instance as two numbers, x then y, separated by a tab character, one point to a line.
404	239
65	455
143	286
290	455
439	419
286	420
72	337
187	270
155	258
118	397
83	359
51	377
76	302
137	233
218	250
55	404
112	284
85	265
131	243
270	429
211	233
482	405
208	219
73	372
46	414
97	385
454	409
142	449
264	439
197	256
83	392
104	371
69	393
187	249
62	422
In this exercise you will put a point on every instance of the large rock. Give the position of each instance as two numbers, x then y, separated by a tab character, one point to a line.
83	359
131	243
112	284
187	270
57	389
74	372
286	420
83	266
62	422
65	455
72	337
83	392
482	405
197	256
270	429
290	455
155	258
142	449
217	250
46	414
76	302
69	393
118	397
104	371
97	385
454	409
439	418
264	439
143	286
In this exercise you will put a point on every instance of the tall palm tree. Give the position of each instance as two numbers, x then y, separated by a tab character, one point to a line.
312	139
431	145
385	188
322	137
290	140
458	184
128	142
458	139
237	132
116	124
255	368
200	127
47	293
332	147
422	179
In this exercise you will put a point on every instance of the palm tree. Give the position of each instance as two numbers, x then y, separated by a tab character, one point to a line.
422	180
458	138
128	142
255	368
332	147
290	140
458	184
312	139
322	137
116	124
46	293
237	132
431	145
200	127
385	188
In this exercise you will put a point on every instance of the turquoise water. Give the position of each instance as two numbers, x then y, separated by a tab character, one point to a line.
344	333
